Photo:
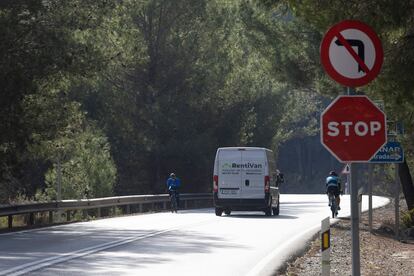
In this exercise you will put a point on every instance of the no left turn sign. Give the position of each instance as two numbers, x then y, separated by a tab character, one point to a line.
351	53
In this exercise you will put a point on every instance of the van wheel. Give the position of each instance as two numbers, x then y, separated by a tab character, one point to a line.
219	212
276	210
227	212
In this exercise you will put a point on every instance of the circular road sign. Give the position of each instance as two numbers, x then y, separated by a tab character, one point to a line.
351	53
353	128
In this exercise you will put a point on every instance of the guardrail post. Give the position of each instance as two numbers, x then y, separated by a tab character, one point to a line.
50	217
128	209
98	214
185	204
68	215
140	208
31	219
10	221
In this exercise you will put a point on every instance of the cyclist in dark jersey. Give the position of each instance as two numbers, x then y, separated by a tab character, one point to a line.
333	185
173	183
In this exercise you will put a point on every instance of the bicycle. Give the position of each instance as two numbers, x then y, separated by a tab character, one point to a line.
332	203
173	201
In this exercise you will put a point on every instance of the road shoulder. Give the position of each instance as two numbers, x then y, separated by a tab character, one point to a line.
381	254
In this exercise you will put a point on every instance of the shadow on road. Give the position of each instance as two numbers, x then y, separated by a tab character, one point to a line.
259	216
159	249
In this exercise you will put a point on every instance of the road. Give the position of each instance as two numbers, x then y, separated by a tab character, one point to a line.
192	242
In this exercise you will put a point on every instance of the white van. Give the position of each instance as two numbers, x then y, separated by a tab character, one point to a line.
245	179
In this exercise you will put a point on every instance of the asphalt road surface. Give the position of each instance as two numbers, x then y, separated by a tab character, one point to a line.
191	242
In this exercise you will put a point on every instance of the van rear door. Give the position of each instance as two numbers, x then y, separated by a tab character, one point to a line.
229	177
253	173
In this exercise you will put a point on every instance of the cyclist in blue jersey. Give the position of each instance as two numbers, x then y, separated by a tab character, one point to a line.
173	184
333	185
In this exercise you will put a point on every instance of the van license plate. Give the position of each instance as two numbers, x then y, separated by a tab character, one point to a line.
228	192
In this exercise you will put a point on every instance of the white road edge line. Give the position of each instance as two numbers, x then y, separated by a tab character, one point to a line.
280	255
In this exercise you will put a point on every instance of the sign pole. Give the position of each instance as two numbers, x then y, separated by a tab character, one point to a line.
392	152
370	172
397	204
347	184
354	222
347	60
354	214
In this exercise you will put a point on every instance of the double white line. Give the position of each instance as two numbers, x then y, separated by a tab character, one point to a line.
36	265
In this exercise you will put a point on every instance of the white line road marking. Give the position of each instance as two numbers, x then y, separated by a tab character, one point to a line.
36	265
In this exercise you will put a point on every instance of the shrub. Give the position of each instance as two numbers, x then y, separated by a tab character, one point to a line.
407	218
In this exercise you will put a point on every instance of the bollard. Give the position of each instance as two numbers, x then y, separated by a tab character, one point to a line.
326	247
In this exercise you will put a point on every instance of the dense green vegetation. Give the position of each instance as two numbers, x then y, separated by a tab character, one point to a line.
121	93
393	22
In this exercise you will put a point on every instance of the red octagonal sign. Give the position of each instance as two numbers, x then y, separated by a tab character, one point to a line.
353	128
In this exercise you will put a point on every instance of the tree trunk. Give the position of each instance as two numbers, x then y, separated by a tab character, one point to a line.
407	184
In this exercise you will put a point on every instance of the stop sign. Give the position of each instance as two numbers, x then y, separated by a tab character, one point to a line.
353	128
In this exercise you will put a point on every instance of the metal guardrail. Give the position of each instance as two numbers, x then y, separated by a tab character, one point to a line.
95	203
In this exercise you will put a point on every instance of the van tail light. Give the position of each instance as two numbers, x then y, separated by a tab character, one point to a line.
267	184
215	183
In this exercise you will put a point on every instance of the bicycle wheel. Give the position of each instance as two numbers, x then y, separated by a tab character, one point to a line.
173	203
333	208
332	200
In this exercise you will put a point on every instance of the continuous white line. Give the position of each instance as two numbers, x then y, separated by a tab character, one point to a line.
269	264
36	265
282	253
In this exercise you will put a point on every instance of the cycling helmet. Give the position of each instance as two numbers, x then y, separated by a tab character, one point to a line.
333	173
172	174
